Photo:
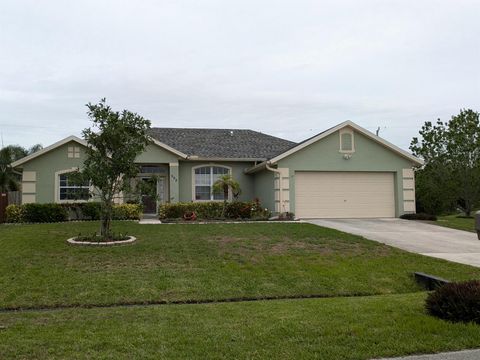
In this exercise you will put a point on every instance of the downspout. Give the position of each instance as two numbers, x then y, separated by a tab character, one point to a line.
280	189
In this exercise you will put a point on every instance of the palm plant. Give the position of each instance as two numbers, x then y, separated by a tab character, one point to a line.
9	178
224	184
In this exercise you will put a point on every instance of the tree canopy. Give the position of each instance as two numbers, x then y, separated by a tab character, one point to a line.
113	143
451	174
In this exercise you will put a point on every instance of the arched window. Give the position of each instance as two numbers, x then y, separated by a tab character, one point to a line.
203	179
346	141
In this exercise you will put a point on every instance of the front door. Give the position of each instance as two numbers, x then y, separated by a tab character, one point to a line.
149	202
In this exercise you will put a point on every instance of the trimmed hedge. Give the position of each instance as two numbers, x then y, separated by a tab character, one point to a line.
52	212
419	216
40	213
127	212
457	302
211	210
91	210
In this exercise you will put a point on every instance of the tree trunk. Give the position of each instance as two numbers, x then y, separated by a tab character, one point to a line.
225	198
105	231
468	208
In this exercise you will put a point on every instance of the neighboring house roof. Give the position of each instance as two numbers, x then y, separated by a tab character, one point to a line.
47	149
323	134
222	143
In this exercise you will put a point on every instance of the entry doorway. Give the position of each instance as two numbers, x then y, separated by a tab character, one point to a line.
151	203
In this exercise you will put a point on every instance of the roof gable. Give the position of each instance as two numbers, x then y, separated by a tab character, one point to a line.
47	149
356	127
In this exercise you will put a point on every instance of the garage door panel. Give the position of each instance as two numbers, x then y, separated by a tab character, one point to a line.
344	194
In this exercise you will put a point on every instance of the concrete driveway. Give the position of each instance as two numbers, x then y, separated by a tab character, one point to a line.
431	240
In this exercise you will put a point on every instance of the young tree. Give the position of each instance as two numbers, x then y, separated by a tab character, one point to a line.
111	151
223	185
451	152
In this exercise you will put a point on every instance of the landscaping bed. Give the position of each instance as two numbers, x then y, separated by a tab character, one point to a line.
53	212
97	240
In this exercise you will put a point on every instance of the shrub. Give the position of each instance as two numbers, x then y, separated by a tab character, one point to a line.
458	302
238	210
286	216
127	212
60	212
74	210
91	210
44	213
14	214
203	210
419	216
258	212
211	210
97	238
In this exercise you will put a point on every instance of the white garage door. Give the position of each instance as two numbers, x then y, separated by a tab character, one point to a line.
344	195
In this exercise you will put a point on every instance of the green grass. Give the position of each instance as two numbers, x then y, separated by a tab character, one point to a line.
219	261
339	328
455	222
196	262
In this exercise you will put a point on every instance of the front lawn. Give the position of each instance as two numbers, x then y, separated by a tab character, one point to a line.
202	262
335	329
455	222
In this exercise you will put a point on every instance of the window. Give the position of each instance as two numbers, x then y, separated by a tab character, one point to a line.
73	152
204	178
70	189
346	141
153	169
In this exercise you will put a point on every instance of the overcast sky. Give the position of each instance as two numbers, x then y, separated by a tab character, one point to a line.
287	68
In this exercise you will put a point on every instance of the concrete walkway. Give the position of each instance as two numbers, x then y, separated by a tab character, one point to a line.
426	239
149	221
457	355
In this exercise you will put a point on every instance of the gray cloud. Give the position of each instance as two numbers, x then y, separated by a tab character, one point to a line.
289	68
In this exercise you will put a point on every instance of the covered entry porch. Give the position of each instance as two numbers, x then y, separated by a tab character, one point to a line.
159	185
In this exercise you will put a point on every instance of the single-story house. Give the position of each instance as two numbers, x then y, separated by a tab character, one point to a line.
343	172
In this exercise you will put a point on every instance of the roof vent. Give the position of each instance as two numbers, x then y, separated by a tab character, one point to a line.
231	132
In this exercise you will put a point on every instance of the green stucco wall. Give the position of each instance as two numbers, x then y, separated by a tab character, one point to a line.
263	188
179	177
47	164
324	155
154	154
245	181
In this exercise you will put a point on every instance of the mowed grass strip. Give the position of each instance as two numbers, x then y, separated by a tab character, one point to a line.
337	328
201	262
455	222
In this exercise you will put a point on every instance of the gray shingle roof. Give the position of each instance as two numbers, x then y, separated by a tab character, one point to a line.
222	143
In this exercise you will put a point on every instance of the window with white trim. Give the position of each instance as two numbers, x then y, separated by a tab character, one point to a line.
204	178
346	141
73	152
72	189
